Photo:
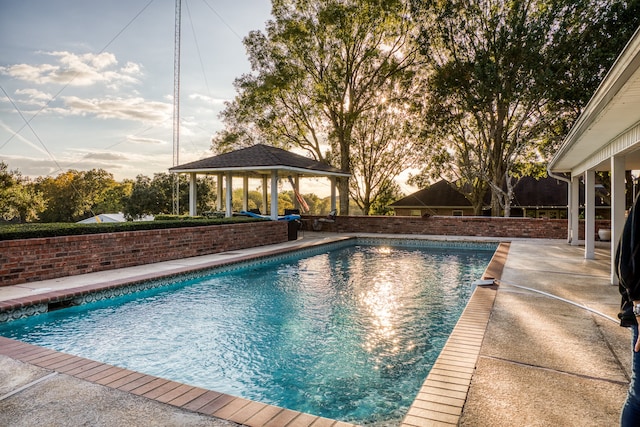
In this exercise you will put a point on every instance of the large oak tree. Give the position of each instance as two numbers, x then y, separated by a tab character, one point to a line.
319	71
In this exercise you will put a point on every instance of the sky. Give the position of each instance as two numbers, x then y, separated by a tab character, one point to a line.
89	83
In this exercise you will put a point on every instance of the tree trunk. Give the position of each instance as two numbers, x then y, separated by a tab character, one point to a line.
343	189
344	139
496	208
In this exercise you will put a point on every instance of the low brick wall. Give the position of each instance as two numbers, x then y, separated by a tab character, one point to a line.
30	260
452	226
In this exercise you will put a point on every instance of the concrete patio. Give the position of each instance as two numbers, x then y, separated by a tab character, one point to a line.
543	361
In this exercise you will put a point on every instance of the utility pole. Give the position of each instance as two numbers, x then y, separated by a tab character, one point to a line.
176	108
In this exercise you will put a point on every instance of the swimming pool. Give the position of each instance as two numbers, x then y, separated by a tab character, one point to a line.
348	334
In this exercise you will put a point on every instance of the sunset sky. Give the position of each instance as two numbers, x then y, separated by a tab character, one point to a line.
89	84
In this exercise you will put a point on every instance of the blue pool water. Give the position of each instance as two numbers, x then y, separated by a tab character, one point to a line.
348	334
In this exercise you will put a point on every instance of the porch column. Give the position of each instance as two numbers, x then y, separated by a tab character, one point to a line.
265	194
333	193
219	192
245	193
574	210
229	195
193	194
589	214
274	194
618	206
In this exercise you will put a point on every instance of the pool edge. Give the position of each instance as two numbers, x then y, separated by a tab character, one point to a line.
443	394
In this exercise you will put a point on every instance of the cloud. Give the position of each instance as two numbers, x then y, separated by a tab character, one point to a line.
121	165
105	156
136	109
207	99
76	70
31	167
146	141
34	97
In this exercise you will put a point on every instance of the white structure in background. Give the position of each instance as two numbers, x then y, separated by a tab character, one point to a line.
606	137
112	217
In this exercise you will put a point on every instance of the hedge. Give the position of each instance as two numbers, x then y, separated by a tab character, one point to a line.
38	230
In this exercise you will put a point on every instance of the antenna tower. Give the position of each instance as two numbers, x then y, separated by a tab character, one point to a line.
176	108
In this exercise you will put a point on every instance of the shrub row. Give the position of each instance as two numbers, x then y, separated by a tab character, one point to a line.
37	230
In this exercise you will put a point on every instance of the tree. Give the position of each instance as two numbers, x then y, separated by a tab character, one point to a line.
75	195
501	88
384	146
585	48
155	196
19	201
316	72
254	200
388	194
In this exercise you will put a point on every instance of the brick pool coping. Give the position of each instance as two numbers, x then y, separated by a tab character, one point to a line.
439	401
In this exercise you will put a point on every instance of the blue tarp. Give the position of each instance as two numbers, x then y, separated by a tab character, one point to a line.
280	217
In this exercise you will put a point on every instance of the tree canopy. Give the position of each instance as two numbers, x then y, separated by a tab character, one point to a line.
318	72
506	79
19	201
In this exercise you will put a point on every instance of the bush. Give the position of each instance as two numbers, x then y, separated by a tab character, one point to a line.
37	230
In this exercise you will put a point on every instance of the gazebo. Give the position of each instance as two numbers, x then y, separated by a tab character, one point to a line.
262	162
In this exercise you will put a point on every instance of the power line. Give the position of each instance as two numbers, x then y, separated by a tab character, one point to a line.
222	20
195	39
27	122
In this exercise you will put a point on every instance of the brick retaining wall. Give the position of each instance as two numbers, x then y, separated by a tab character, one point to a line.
29	260
453	226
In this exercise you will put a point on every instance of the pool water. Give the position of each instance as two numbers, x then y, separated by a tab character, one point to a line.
349	334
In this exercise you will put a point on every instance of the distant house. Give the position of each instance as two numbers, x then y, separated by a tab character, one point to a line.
437	199
534	198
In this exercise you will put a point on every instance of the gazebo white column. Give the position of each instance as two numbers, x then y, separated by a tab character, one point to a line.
229	195
618	206
265	194
333	193
219	192
274	194
574	210
193	194
245	193
589	213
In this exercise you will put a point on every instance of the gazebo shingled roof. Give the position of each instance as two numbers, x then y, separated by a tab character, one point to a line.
260	159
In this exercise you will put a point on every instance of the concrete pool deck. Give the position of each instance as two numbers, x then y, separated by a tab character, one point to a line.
539	361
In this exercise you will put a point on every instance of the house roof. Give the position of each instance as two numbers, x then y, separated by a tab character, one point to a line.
260	159
440	193
528	193
543	192
610	122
